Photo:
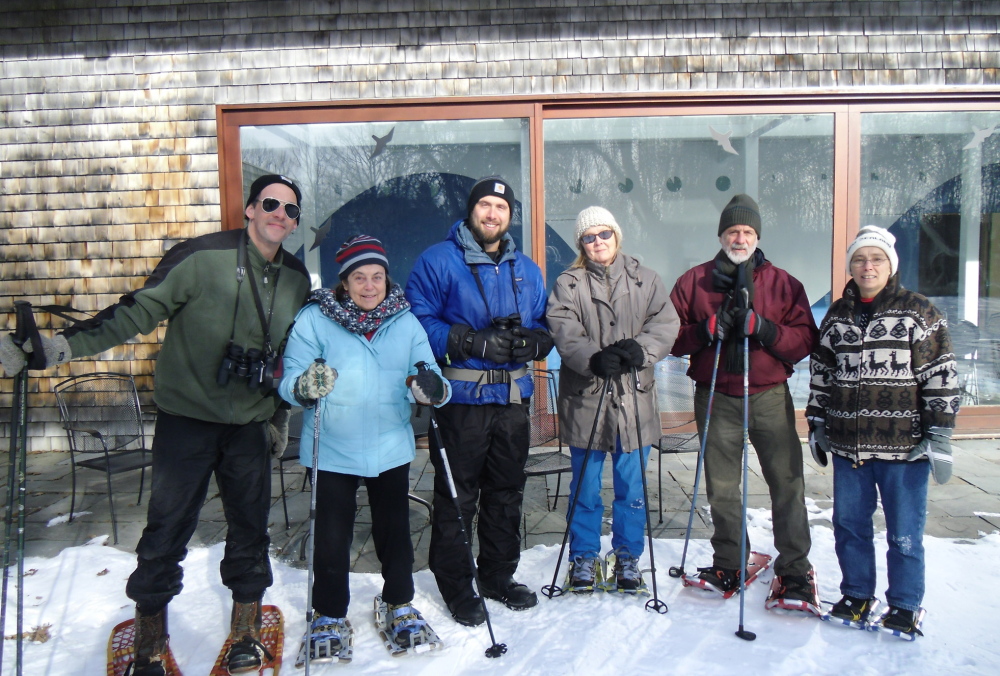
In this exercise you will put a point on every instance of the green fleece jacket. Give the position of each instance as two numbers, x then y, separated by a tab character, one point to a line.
194	286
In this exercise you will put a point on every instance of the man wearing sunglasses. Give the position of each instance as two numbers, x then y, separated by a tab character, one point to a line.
740	299
230	298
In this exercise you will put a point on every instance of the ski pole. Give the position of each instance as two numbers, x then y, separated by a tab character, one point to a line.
678	571
655	603
554	590
741	632
312	527
495	649
24	332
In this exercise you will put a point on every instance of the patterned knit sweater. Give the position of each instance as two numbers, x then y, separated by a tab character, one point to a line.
879	386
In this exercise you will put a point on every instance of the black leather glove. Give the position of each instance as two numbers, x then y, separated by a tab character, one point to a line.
636	355
460	342
609	362
717	327
530	344
819	445
493	344
749	324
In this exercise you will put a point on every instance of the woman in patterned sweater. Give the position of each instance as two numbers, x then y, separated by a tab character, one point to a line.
883	400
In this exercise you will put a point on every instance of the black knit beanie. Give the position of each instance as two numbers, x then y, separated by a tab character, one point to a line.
741	210
491	185
270	179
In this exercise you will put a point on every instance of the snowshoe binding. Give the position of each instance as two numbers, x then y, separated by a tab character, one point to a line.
904	624
586	573
625	576
726	581
403	629
853	612
329	639
795	592
255	642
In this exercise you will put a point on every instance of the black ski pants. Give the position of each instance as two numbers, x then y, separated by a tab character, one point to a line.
487	447
336	507
186	452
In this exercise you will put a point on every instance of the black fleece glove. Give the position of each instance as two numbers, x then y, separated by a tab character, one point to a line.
717	327
749	324
609	362
530	344
636	355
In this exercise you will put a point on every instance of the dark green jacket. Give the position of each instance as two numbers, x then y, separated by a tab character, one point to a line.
194	286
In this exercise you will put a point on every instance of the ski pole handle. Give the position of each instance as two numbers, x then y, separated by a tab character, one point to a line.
25	330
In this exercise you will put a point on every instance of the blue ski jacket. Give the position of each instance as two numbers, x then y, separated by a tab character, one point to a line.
442	292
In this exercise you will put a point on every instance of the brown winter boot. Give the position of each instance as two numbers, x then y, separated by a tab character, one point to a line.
247	653
150	644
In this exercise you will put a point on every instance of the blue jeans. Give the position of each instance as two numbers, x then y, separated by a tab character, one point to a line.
903	488
628	510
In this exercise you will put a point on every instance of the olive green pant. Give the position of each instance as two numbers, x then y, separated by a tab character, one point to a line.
772	433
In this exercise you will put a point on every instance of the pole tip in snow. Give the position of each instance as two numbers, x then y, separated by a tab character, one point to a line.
552	591
496	650
657	605
746	635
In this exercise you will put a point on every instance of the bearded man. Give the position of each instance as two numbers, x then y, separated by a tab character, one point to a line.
740	294
482	303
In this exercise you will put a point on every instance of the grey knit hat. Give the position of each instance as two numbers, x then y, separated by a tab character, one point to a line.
741	210
591	217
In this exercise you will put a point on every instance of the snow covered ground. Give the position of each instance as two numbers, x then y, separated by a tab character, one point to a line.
81	594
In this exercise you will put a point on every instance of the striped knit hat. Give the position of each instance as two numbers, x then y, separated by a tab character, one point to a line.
358	251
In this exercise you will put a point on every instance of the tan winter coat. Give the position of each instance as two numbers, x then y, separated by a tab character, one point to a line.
595	307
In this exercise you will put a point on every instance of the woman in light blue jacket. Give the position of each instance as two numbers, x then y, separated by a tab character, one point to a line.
371	344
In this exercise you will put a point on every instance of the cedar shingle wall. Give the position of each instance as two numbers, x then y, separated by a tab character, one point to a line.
107	113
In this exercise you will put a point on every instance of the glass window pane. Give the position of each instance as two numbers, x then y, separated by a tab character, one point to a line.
666	180
933	179
405	183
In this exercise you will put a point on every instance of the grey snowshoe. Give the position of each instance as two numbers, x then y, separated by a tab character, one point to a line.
403	629
329	638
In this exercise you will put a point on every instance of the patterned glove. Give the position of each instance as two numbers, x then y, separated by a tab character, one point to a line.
55	351
749	324
936	445
12	356
317	381
818	443
427	388
636	355
277	431
718	326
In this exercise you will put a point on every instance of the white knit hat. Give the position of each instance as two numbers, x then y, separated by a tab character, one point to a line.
592	217
872	235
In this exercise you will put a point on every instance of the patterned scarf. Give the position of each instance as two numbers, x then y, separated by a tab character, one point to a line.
353	318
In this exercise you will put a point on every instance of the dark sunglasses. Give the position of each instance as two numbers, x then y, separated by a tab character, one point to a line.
270	205
604	234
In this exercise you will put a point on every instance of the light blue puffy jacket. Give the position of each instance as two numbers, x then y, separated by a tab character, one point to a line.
365	421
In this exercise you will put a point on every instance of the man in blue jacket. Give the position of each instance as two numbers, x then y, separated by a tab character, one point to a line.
482	303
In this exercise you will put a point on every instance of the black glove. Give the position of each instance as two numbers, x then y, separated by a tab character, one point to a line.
493	344
460	342
717	327
530	344
636	355
609	362
749	324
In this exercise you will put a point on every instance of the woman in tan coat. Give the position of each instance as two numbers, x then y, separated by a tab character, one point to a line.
608	314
